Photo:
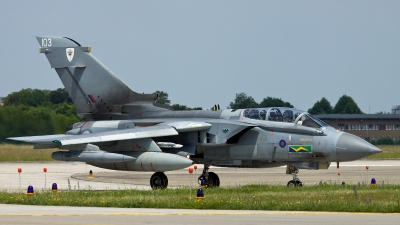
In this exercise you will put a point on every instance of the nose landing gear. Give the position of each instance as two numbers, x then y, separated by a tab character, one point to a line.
211	178
296	181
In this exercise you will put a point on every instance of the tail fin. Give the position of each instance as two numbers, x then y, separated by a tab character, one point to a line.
92	87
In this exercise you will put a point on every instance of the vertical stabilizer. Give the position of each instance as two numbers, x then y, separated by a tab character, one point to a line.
92	87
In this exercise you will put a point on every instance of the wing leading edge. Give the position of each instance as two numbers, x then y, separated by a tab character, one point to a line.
55	141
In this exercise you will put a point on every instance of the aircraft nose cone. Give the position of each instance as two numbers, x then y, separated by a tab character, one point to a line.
350	147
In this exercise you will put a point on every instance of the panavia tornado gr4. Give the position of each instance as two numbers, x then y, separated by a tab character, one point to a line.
125	130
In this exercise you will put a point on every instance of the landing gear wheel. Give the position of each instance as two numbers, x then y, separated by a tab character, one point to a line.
294	183
213	180
291	184
159	181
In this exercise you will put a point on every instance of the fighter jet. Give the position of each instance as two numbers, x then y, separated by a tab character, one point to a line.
125	130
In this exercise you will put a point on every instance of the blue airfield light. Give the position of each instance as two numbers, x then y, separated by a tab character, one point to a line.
54	188
373	182
200	195
30	192
200	192
203	183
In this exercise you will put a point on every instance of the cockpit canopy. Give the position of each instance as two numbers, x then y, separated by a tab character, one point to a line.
282	114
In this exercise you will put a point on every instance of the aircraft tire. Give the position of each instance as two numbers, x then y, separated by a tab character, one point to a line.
213	179
159	181
291	184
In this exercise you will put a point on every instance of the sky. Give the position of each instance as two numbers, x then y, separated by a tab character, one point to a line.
205	52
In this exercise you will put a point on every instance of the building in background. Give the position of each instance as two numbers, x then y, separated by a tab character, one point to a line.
367	126
396	109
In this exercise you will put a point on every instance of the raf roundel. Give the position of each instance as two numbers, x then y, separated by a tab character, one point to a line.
282	143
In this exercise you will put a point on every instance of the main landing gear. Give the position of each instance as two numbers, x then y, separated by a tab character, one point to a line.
159	181
296	181
211	178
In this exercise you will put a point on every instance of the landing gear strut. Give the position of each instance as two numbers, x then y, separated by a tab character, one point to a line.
211	178
159	181
296	181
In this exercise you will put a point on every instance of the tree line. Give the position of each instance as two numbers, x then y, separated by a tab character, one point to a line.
38	112
345	105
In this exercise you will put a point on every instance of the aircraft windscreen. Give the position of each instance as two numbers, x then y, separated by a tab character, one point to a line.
282	114
319	121
278	114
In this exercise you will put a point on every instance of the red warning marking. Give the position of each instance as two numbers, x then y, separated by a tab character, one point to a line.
272	133
141	164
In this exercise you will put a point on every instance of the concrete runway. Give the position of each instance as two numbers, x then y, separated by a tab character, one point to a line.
384	171
20	214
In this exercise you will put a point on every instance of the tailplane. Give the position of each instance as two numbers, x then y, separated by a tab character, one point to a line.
93	88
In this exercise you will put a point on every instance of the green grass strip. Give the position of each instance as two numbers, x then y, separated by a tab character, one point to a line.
326	197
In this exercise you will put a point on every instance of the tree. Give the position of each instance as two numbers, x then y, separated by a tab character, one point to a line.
59	96
243	101
66	109
274	102
321	107
22	120
184	107
28	97
162	98
383	112
346	105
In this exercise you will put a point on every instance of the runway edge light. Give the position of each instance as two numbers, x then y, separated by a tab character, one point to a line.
54	188
373	182
203	183
200	194
30	192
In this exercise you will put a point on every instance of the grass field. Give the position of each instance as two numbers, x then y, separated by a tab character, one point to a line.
389	152
26	153
326	197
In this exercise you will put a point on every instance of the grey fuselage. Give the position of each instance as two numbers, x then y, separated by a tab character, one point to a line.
239	140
